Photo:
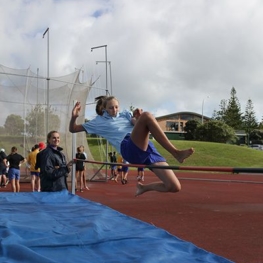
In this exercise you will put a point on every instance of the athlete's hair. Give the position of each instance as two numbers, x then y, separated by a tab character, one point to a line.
99	104
102	102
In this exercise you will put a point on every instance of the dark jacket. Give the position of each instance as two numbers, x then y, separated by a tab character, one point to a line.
53	169
2	164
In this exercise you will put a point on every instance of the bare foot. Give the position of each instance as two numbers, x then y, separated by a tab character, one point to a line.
86	187
181	155
139	189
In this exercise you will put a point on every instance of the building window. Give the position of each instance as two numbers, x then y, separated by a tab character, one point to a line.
171	126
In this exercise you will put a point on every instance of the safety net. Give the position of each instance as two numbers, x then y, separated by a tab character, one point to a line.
32	105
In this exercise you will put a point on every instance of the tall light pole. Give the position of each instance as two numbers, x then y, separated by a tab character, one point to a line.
37	108
109	62
47	114
203	108
106	62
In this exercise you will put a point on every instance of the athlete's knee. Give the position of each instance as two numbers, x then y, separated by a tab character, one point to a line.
174	187
146	115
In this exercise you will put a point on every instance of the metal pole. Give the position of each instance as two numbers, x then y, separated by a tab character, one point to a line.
47	111
203	109
109	62
106	62
104	46
37	108
73	171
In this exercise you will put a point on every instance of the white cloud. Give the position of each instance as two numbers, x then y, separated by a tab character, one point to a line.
166	56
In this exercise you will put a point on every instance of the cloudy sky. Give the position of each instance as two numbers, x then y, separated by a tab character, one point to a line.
166	56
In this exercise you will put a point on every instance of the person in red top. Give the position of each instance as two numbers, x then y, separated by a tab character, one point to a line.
41	146
15	160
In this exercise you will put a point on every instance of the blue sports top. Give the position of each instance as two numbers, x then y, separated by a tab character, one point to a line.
113	129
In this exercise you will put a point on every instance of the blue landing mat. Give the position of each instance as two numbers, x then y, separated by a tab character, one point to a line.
65	228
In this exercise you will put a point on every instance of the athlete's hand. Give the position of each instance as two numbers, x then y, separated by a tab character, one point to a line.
76	109
137	113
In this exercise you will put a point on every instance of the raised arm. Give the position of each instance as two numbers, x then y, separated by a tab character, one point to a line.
73	126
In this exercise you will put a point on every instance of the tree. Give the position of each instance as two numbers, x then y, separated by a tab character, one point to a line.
230	111
260	126
190	129
221	114
14	124
233	115
250	121
256	136
36	121
215	131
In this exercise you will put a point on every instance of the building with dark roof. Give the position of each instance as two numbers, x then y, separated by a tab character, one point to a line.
175	122
173	125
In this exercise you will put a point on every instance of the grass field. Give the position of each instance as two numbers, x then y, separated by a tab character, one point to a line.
206	154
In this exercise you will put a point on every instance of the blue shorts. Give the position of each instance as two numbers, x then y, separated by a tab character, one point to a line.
3	171
35	173
133	154
125	169
13	173
140	169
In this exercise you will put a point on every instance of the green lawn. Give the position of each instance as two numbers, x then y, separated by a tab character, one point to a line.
206	154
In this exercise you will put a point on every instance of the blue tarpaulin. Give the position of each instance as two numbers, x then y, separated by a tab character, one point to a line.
62	227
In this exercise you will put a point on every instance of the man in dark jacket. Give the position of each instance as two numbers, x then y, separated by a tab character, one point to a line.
53	167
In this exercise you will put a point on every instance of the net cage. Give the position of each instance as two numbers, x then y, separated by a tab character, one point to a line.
27	115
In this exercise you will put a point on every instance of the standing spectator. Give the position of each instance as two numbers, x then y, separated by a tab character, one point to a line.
27	164
84	175
114	160
31	160
3	166
53	167
41	146
80	176
124	174
15	161
114	157
140	176
119	168
113	167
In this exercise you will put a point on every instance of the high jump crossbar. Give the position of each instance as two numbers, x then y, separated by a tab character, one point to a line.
183	168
